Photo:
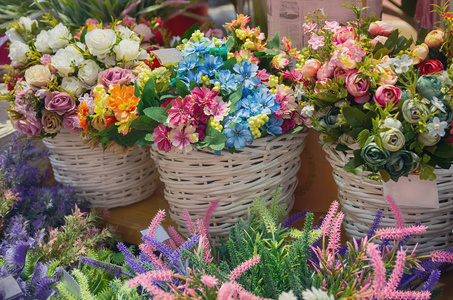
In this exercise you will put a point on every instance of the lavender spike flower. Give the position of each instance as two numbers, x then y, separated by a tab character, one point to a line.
294	218
158	246
432	281
376	223
130	259
189	244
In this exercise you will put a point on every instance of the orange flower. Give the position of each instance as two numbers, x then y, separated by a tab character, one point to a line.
123	103
82	112
239	23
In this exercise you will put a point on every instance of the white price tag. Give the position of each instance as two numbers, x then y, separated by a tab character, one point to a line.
168	56
411	191
160	234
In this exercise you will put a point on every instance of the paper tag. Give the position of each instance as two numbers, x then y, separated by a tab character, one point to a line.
160	234
168	56
411	191
9	288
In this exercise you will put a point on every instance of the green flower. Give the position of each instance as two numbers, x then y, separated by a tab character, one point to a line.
401	163
392	139
412	110
375	156
428	140
429	86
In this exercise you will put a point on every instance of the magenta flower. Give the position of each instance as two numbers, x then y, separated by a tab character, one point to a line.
181	137
161	138
316	41
203	95
180	112
309	27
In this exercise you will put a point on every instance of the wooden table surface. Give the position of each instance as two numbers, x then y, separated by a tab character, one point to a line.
130	220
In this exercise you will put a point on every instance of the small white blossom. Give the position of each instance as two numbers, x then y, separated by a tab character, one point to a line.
315	294
299	92
307	111
402	64
444	78
437	105
287	296
437	127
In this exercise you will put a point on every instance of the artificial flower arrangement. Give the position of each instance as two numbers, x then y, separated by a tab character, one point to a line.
364	90
223	94
53	71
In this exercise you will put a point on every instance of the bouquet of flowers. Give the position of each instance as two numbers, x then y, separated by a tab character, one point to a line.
223	93
364	89
51	69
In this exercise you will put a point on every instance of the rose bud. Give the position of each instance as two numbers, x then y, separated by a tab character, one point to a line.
435	38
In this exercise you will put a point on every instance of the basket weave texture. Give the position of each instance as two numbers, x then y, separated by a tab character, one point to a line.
192	181
102	178
361	198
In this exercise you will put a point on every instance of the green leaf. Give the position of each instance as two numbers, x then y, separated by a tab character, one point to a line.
192	85
271	52
188	33
229	64
363	137
422	35
149	137
136	89
157	113
275	42
234	98
214	139
342	147
229	44
84	33
354	166
444	150
384	175
148	97
182	88
355	117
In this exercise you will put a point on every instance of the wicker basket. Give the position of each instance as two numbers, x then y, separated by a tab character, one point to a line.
360	199
103	178
194	180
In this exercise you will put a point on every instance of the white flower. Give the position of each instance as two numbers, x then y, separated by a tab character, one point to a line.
42	42
127	50
437	105
299	91
26	23
126	34
59	37
74	55
392	123
108	60
402	64
89	71
143	55
315	294
444	78
436	127
38	76
63	63
175	41
13	36
307	111
18	53
287	296
100	41
72	85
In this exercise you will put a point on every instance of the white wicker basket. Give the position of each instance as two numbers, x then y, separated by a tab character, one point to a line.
361	198
194	180
103	178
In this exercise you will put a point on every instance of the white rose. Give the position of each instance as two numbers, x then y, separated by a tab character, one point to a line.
27	23
63	63
38	76
74	55
72	85
126	34
392	123
144	31
42	42
143	55
59	37
127	50
100	41
17	53
88	73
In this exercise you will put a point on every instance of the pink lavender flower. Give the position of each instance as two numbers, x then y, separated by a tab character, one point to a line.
326	223
181	137
161	138
316	41
399	220
204	239
239	270
209	280
378	268
399	233
226	291
217	108
335	233
397	272
180	111
409	295
442	256
189	223
208	214
331	26
155	222
175	236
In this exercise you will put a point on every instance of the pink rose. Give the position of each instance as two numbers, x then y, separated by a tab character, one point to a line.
387	94
59	102
419	53
91	21
114	76
326	71
381	28
435	38
341	73
144	31
388	76
358	87
379	39
311	67
28	125
343	34
71	121
128	21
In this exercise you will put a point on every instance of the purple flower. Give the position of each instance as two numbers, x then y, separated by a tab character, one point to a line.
28	125
71	121
60	103
114	76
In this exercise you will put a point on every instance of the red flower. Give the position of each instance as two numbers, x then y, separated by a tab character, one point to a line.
431	66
